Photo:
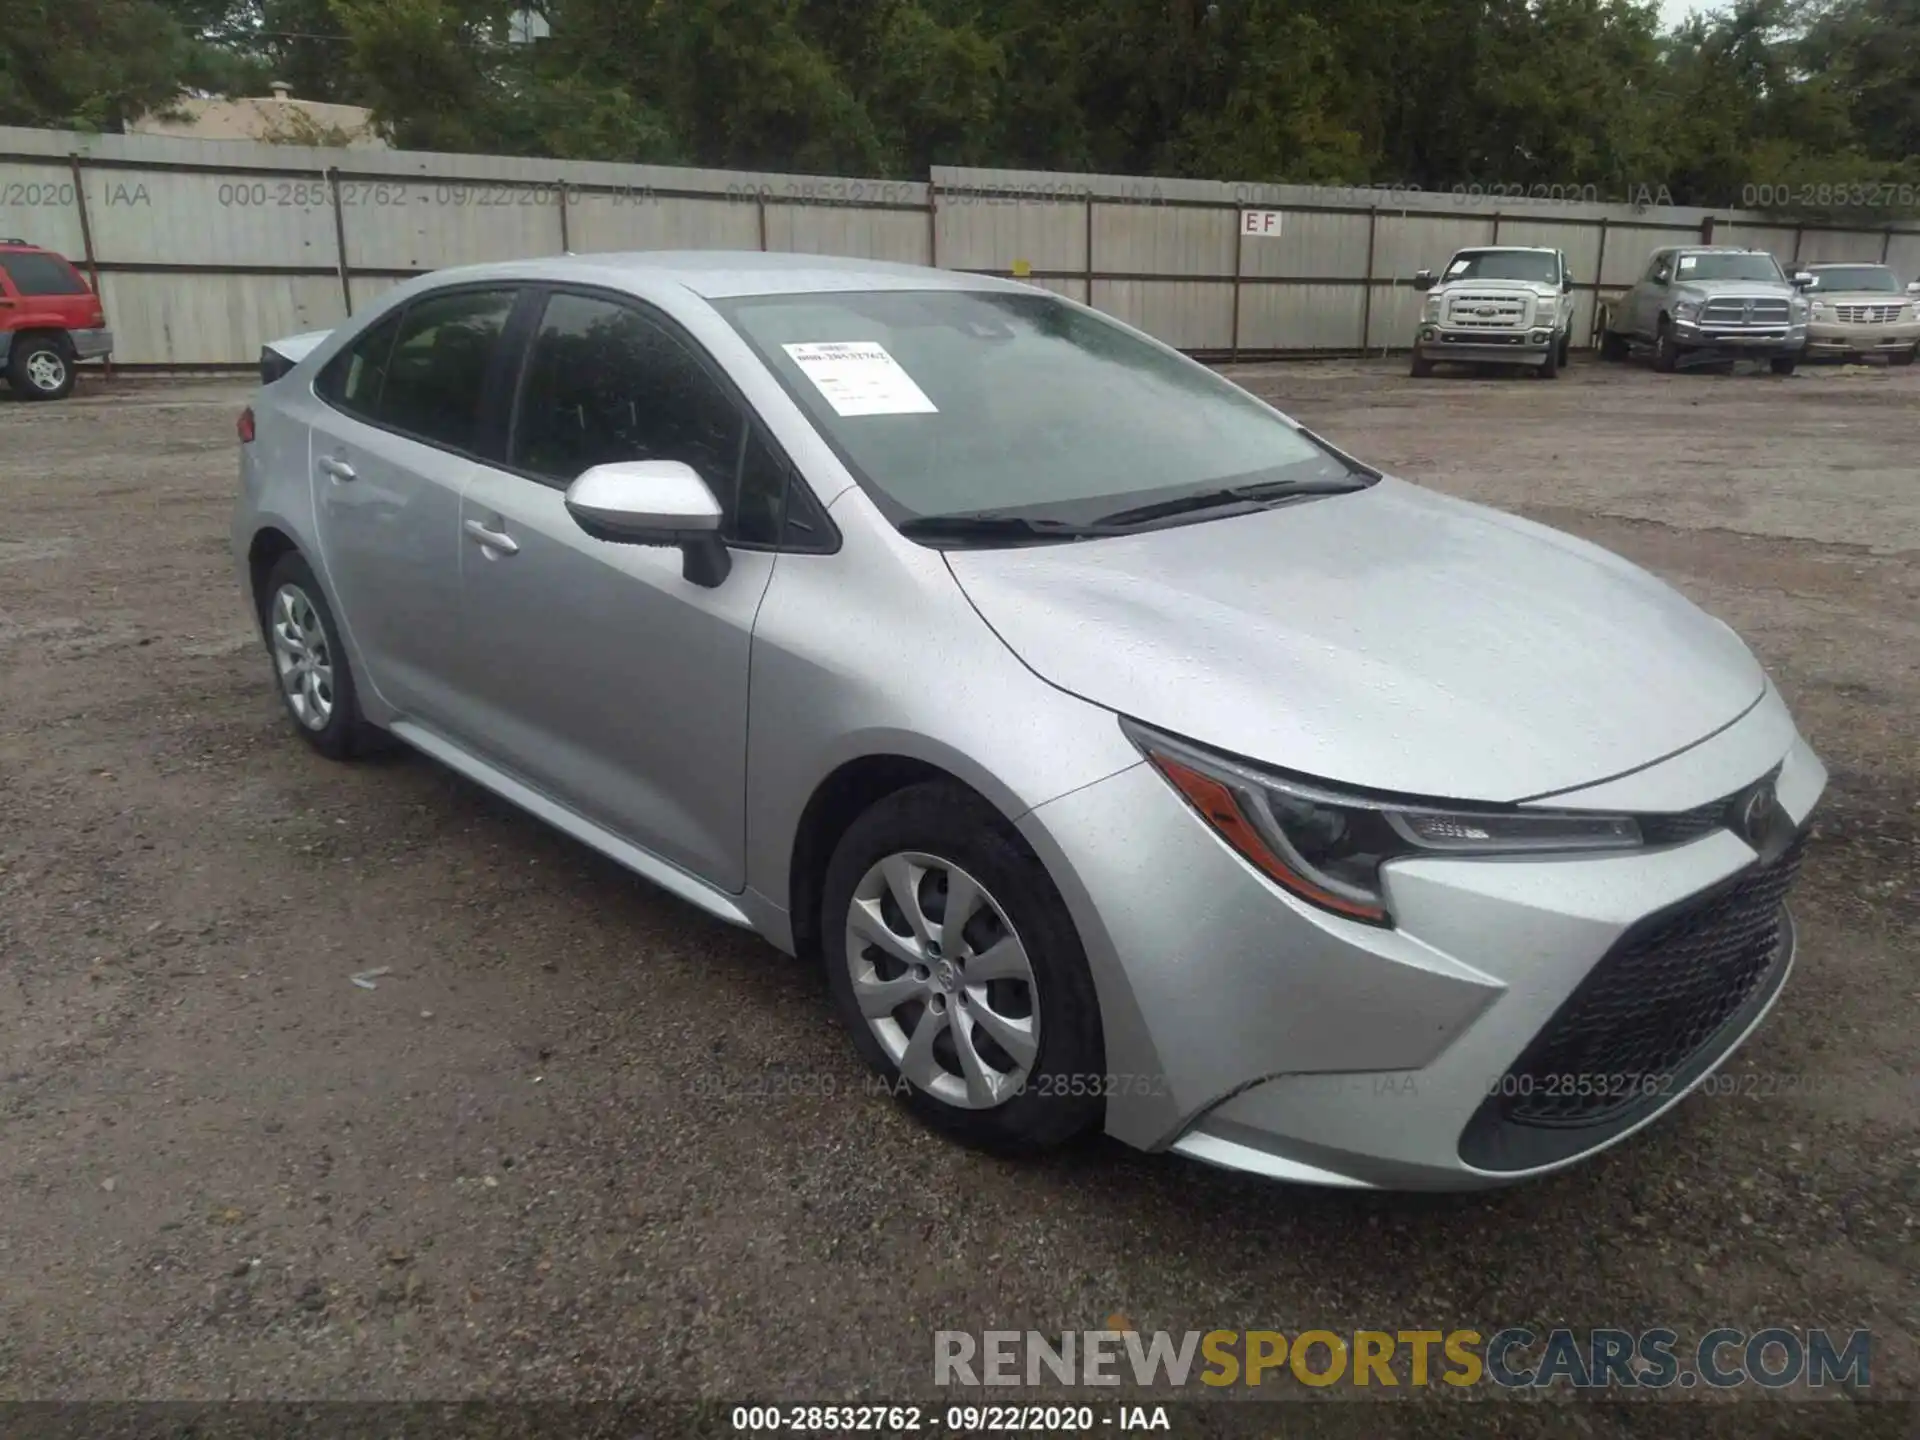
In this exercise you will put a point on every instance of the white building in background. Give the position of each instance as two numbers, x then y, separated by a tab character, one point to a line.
278	119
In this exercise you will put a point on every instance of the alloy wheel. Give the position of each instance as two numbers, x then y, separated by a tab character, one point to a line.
302	658
46	370
943	981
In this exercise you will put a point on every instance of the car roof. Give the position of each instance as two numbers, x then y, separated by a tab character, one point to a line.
1847	265
1482	249
719	274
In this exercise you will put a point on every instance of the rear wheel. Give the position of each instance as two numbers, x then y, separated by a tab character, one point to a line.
1666	348
958	972
310	664
40	367
1783	364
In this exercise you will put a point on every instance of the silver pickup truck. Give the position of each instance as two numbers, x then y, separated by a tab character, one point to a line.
1496	305
1710	303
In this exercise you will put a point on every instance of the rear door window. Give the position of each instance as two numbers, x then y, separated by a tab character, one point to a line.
42	275
443	355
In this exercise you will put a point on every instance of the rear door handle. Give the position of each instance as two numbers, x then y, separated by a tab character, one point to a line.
493	539
337	468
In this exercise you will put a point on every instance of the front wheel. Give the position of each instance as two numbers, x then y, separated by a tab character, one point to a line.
1783	364
1566	349
1550	367
1613	346
957	970
39	368
1904	357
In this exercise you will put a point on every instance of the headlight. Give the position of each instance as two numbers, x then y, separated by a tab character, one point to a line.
1327	847
1686	309
1819	310
1797	307
1907	312
1431	310
1545	306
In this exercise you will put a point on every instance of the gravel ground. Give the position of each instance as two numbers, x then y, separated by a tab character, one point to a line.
582	1141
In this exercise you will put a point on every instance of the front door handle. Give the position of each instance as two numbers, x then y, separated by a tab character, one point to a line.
493	539
337	468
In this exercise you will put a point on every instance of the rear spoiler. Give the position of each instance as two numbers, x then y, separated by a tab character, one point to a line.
277	357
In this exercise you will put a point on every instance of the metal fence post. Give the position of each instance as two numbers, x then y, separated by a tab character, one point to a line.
933	226
1366	284
340	236
566	238
86	238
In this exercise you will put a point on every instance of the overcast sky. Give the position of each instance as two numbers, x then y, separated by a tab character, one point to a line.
1674	11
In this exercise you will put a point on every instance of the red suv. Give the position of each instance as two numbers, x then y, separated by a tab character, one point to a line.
50	319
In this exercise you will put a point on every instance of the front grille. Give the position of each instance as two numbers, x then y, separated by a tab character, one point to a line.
1730	311
1487	312
1684	825
1867	314
1631	1029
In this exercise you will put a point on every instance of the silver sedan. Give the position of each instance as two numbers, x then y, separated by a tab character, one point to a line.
1130	756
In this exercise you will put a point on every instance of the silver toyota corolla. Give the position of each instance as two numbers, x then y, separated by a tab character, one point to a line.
1131	756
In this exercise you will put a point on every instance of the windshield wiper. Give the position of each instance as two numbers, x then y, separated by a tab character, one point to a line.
993	525
1252	495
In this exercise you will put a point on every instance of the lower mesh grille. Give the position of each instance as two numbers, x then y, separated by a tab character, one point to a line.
1644	1012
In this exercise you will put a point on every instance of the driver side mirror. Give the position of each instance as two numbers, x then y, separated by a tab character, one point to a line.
1423	280
1802	279
654	502
1566	284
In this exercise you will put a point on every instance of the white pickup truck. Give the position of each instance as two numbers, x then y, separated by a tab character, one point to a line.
1496	305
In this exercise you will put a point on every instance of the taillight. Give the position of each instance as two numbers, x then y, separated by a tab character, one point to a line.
245	426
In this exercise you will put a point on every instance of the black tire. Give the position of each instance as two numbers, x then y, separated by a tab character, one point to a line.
1062	1096
1421	368
1549	368
344	734
1903	357
1666	349
1783	364
1614	346
40	367
1566	349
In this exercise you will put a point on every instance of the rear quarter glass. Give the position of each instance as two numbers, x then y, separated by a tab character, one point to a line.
39	273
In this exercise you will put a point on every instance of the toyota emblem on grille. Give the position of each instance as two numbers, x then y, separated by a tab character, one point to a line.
1753	812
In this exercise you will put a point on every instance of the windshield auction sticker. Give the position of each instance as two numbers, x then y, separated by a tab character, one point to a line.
859	377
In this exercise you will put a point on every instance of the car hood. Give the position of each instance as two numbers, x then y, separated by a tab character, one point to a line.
1390	638
1523	287
1760	289
1861	297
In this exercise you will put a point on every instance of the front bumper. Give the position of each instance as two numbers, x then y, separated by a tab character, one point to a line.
91	344
1772	339
1250	1030
1834	337
1525	347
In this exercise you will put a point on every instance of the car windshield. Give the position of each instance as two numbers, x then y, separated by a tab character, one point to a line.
1529	265
951	403
1729	266
1875	278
